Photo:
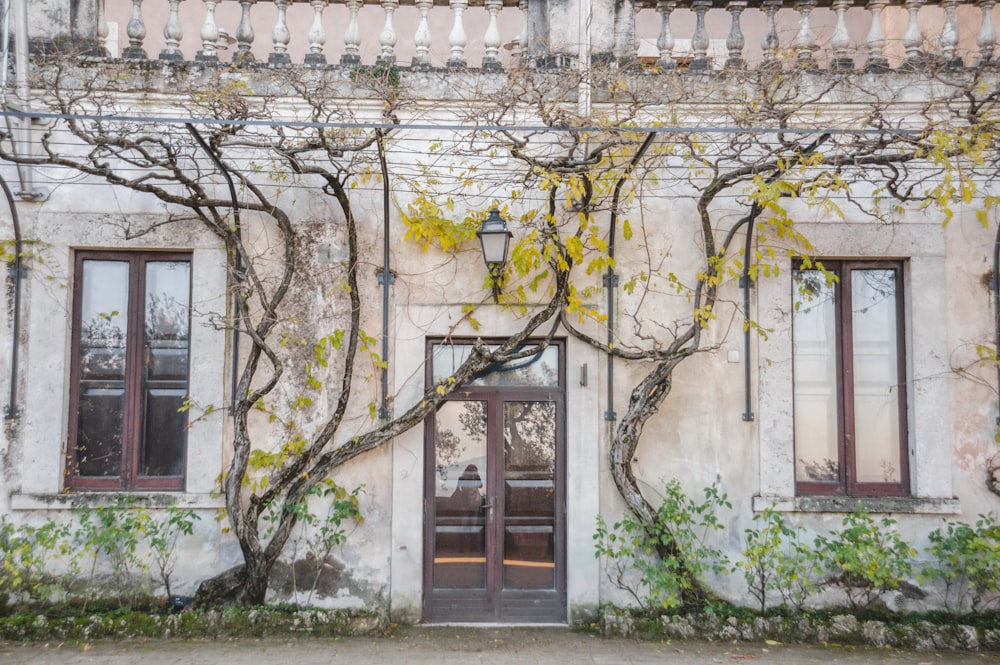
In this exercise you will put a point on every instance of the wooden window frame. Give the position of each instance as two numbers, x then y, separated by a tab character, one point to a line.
133	419
848	484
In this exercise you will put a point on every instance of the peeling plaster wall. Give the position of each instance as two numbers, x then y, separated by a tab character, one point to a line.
699	436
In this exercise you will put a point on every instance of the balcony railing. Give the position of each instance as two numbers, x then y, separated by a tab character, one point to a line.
699	35
420	33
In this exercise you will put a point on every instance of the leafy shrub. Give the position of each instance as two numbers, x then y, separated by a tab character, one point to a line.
112	531
26	554
967	562
162	535
866	557
671	554
774	559
320	533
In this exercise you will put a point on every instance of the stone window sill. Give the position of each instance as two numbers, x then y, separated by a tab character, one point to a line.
66	501
844	504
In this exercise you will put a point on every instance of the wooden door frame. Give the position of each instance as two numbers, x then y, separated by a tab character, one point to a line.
494	604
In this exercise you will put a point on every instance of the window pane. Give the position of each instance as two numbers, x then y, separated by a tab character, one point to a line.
541	369
165	353
103	328
529	495
459	490
876	378
814	365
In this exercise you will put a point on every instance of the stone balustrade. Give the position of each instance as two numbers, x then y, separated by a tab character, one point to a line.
874	35
453	33
697	35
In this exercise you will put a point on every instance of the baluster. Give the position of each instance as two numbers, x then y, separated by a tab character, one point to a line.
665	43
102	31
805	41
317	35
457	39
173	33
770	44
209	35
913	40
699	41
987	38
519	42
735	41
280	37
948	39
491	41
422	38
877	62
136	31
841	39
387	38
244	35
352	36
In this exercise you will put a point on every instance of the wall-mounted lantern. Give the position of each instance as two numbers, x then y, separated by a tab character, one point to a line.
495	239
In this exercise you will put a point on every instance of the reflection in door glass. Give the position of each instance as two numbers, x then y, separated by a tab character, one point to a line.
541	369
529	491
460	475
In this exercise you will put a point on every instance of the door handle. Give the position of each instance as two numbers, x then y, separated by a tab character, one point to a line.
488	507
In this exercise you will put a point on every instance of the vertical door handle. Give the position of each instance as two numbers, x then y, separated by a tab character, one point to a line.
488	505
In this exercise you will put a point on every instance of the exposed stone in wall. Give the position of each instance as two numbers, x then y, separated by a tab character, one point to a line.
216	623
840	629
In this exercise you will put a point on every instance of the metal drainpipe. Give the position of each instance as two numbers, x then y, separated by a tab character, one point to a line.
385	277
238	261
610	283
11	410
611	279
746	283
996	309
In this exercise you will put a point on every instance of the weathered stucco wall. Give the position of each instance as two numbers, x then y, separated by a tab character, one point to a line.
699	436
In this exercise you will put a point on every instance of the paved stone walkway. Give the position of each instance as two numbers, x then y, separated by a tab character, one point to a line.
464	646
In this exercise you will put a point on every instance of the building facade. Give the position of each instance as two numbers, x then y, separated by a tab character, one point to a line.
812	388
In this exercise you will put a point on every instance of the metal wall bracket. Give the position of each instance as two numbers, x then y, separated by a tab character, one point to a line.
383	273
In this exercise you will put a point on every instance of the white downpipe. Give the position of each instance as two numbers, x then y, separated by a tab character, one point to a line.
4	53
583	58
22	127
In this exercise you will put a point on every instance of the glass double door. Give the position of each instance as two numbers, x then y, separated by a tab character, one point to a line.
494	523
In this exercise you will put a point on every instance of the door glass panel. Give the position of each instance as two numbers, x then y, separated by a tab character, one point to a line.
876	376
814	333
529	430
165	368
103	326
460	475
541	369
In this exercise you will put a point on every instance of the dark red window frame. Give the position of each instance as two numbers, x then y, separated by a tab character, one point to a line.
847	483
137	386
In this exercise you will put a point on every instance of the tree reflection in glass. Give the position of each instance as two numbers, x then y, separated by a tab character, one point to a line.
460	464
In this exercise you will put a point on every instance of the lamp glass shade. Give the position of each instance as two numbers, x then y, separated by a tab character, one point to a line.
495	238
